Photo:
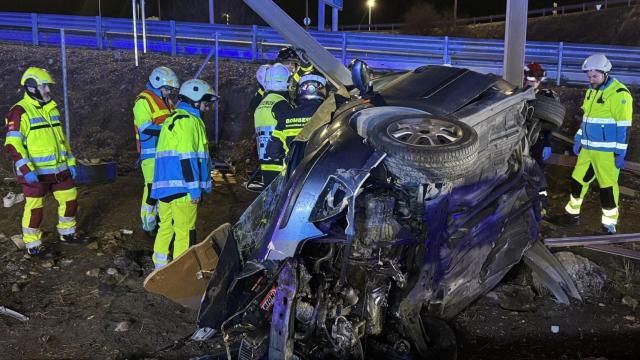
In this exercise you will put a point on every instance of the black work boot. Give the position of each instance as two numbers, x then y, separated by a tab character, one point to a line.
36	251
72	239
608	229
564	219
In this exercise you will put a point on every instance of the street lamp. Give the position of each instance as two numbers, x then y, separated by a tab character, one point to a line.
370	5
226	16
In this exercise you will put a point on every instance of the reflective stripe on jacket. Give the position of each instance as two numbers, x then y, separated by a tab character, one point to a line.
273	106
182	163
35	138
289	127
608	111
149	111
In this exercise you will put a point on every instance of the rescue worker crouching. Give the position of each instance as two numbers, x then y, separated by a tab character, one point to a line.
310	93
151	108
272	108
182	171
601	142
43	159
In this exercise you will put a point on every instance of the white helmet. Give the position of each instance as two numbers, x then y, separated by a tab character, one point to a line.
261	74
277	78
163	76
197	90
597	62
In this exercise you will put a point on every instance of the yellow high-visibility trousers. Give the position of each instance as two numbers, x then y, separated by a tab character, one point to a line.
148	206
177	223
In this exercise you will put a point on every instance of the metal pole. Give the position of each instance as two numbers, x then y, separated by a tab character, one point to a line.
204	63
445	51
514	41
144	28
212	19
135	31
217	134
334	19
99	8
321	15
370	17
559	71
63	50
455	12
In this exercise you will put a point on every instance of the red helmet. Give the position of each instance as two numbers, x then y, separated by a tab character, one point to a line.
534	71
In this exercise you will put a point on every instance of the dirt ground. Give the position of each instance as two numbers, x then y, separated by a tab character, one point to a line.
87	302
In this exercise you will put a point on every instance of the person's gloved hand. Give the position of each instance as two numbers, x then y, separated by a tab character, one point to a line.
31	177
73	171
619	161
546	153
576	148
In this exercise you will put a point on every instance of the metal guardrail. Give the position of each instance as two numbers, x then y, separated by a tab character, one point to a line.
257	43
548	11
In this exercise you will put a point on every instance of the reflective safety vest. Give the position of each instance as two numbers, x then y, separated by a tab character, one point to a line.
265	121
182	163
149	112
608	111
40	140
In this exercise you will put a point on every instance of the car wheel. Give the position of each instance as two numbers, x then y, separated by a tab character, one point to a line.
424	149
549	110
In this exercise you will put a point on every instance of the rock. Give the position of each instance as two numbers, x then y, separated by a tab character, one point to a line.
65	262
630	318
513	297
48	264
629	301
588	277
17	239
112	271
93	272
93	246
122	327
15	288
12	267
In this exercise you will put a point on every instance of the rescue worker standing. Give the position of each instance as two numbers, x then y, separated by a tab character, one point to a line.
43	159
259	95
272	108
182	171
298	66
150	110
310	93
601	141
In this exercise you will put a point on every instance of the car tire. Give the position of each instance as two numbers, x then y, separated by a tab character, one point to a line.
549	110
425	149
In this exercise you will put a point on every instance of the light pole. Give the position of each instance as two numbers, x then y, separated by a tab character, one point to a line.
370	5
226	16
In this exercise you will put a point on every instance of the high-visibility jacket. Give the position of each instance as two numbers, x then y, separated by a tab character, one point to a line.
301	71
182	163
273	106
289	127
149	112
608	111
35	138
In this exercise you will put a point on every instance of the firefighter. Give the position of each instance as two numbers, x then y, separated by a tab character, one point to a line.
310	93
43	159
534	75
259	95
182	170
272	108
299	65
601	141
151	108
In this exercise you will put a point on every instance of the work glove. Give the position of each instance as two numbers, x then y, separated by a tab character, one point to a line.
546	153
73	171
619	161
576	148
31	177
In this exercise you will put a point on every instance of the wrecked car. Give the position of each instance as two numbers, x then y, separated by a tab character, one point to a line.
398	209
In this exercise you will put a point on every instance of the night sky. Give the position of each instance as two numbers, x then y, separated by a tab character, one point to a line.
386	11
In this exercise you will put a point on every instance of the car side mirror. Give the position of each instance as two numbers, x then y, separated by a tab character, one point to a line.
361	76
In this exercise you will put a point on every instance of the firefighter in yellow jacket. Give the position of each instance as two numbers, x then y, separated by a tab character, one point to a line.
150	110
43	159
601	141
